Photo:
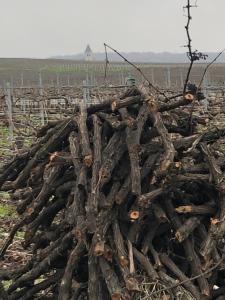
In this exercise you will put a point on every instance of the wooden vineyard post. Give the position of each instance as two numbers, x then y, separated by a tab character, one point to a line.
58	83
9	109
168	77
86	91
21	80
42	114
153	76
181	78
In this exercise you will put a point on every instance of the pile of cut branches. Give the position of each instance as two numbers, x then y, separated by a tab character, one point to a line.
121	201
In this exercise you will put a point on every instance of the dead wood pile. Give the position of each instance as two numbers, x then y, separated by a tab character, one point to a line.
121	201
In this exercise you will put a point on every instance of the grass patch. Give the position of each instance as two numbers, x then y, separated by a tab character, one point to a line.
20	234
4	196
7	211
6	284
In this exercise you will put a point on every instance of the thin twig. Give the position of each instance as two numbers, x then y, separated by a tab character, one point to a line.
200	84
138	69
190	279
207	67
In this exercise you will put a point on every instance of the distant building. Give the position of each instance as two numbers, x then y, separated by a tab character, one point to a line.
88	54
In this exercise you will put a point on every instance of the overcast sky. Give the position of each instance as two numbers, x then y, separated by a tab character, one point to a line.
44	28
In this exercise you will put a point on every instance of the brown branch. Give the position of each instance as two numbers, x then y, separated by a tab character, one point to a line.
138	69
190	279
189	45
207	67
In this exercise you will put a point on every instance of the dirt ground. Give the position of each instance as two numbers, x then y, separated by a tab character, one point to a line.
15	255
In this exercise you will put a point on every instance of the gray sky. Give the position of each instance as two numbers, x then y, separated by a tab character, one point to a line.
43	28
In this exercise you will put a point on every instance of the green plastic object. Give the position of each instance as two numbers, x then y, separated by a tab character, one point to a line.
130	81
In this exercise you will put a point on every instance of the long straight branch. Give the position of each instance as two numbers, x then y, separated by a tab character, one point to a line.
138	69
207	67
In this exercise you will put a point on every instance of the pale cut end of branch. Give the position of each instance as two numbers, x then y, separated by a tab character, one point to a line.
88	160
134	215
114	105
184	209
179	237
178	165
124	262
53	156
189	97
99	249
117	296
215	221
153	107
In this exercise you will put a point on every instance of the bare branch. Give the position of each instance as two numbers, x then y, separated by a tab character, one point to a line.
208	66
190	279
138	69
192	55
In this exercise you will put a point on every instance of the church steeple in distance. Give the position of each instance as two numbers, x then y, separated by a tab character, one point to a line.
88	54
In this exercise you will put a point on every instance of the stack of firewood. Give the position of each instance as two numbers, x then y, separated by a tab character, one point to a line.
120	201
